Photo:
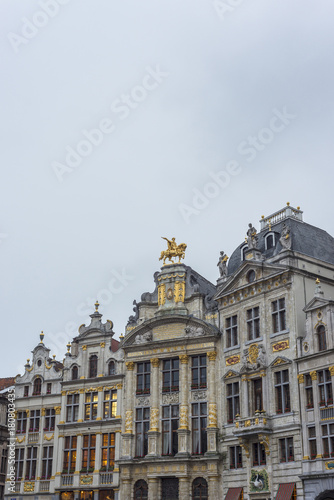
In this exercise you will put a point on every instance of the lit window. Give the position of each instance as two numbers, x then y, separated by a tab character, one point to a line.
70	454
108	452
88	453
110	404
91	405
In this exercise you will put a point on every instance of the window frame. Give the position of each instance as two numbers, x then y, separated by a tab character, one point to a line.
92	366
169	427
37	387
34	421
91	406
171	375
253	323
278	315
231	331
321	337
199	372
49	419
327	438
259	455
142	425
21	426
19	463
199	417
285	447
325	387
31	463
109	404
69	454
312	441
47	461
108	452
233	400
308	386
88	453
72	408
282	392
143	382
235	453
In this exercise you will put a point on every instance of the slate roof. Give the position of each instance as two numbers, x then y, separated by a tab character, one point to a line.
305	239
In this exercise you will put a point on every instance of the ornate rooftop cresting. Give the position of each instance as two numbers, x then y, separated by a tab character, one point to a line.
267	222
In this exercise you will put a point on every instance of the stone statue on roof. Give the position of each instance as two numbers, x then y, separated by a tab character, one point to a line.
285	239
251	236
222	264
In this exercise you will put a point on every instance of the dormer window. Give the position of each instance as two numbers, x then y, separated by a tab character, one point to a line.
270	241
243	252
111	368
321	333
37	387
74	373
93	366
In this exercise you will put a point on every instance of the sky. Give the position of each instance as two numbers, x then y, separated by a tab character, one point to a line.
124	122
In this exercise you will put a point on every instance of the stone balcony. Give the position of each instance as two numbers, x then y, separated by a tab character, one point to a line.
248	426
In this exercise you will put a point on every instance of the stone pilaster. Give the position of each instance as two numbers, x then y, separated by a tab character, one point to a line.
63	408
153	433
183	431
81	412
127	436
98	451
213	487
244	393
184	488
78	462
153	488
100	397
212	406
314	377
125	490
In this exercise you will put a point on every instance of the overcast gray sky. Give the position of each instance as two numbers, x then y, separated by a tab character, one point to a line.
126	121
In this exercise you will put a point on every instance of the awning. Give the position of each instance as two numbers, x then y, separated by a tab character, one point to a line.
233	494
285	491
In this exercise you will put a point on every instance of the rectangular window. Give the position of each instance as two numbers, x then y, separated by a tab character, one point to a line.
4	460
48	388
108	452
312	439
253	323
88	453
21	425
235	457
170	424
232	396
70	454
91	405
257	395
198	372
47	462
142	426
325	388
19	461
282	391
50	416
34	420
72	408
309	391
286	449
198	428
143	377
231	330
327	431
259	454
26	391
170	375
278	315
110	404
31	463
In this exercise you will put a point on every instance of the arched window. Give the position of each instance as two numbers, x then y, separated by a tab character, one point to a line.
243	252
321	332
37	387
111	368
140	490
93	366
200	489
270	241
74	373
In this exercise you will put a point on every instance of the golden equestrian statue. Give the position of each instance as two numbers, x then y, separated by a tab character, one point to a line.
173	250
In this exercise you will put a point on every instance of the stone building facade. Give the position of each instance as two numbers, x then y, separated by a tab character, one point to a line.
216	391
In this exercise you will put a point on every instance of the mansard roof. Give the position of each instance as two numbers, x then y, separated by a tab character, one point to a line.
305	239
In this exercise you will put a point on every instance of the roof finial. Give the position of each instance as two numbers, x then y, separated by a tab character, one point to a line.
317	281
287	203
68	346
41	336
96	305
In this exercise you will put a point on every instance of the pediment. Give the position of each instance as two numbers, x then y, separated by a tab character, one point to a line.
317	303
280	360
164	330
230	374
240	280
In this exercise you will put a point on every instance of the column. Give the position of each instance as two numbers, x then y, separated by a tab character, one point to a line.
153	488
314	377
184	488
59	463
244	388
183	430
212	407
128	421
154	433
119	401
